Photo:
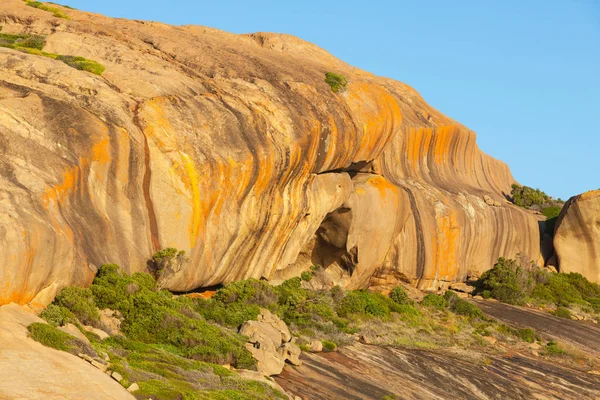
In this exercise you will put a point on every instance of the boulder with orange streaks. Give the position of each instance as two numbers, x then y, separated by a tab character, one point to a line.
577	236
234	149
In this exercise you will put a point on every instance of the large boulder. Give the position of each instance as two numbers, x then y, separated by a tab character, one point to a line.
234	149
269	343
577	236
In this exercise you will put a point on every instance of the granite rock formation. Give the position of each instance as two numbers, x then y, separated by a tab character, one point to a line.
233	149
577	236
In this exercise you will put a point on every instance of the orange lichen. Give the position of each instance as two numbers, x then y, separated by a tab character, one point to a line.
59	192
193	180
379	116
445	242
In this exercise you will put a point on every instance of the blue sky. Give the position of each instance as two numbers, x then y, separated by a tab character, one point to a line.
525	75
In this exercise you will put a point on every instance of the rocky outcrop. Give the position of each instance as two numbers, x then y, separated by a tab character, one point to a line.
233	149
577	236
31	370
269	343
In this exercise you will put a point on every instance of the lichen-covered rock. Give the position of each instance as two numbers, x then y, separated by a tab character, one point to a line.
234	149
577	236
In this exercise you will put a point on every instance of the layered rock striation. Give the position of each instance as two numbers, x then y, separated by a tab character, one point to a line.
577	236
234	149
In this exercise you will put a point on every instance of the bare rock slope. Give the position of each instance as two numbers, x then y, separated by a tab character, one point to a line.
577	236
234	149
31	370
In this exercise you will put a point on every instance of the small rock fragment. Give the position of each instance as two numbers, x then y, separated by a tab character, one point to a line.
116	376
99	365
316	346
133	388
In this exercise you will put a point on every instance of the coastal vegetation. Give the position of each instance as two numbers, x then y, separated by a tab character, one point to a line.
187	346
520	282
34	44
337	82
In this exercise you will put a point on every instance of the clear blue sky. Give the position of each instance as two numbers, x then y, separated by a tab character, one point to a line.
525	75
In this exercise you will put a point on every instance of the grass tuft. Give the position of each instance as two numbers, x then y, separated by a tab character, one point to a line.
58	13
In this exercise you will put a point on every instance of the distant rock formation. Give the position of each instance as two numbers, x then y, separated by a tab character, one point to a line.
234	149
577	236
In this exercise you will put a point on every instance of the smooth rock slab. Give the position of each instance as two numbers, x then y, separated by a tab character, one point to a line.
33	371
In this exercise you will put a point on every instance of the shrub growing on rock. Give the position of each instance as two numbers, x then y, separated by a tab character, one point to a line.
50	336
463	307
306	276
562	313
363	302
80	301
328	345
510	281
58	316
434	300
399	295
337	82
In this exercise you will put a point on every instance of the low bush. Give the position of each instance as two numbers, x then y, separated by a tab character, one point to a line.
58	316
55	11
50	336
80	301
337	82
365	303
463	307
23	41
510	281
553	348
434	300
306	276
527	334
399	296
82	64
562	313
329	346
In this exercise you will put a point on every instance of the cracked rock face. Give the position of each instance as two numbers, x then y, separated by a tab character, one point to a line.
577	236
234	149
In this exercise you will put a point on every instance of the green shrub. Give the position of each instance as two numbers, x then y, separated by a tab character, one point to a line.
55	11
434	300
58	316
562	313
337	82
553	348
22	41
399	296
551	212
79	301
50	336
328	345
527	334
510	281
306	276
524	196
365	303
250	291
463	307
304	347
82	64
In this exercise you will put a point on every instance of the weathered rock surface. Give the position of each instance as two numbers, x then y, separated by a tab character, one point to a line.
577	236
269	343
234	149
372	372
73	331
32	371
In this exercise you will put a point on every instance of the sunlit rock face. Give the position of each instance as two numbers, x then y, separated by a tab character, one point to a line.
234	149
577	236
